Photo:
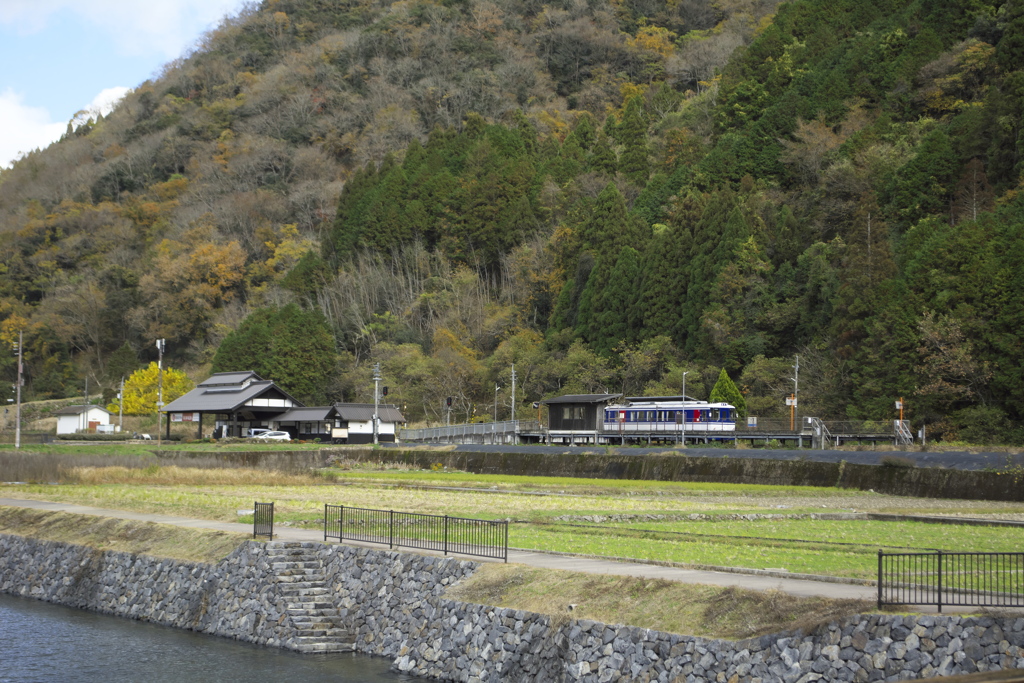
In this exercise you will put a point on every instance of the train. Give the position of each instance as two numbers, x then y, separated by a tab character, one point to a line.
668	414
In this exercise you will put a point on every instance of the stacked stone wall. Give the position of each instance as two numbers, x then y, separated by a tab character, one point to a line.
394	605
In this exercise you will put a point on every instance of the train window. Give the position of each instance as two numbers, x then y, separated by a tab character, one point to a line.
713	415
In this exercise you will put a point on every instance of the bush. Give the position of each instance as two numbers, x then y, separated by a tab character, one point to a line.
897	461
123	436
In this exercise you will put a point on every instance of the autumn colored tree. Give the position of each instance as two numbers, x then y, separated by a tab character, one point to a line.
141	389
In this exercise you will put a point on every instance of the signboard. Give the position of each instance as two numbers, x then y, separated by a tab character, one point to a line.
184	417
791	401
751	421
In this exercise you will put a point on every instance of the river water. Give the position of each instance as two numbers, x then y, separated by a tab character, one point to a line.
42	642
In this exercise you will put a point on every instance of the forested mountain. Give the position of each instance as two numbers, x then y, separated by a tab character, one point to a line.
606	193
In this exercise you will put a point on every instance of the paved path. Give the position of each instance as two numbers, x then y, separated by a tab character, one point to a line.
757	581
762	581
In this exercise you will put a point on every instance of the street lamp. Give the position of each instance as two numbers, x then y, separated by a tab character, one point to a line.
796	401
497	387
684	406
17	414
160	343
376	403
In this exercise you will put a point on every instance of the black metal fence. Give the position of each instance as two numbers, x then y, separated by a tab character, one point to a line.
263	520
477	537
951	579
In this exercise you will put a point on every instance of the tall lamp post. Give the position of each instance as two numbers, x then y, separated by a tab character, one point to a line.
376	404
684	406
796	401
159	391
17	410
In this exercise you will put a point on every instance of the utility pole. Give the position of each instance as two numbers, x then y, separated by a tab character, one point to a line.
376	404
684	406
120	407
497	387
796	401
85	406
515	428
159	392
17	390
513	391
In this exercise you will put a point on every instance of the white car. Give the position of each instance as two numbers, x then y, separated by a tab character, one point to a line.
274	436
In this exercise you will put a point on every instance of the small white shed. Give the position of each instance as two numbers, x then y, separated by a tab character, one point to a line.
75	419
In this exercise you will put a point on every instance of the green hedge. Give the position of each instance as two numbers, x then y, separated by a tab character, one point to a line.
123	436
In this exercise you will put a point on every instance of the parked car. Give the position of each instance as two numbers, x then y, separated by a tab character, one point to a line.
256	432
274	436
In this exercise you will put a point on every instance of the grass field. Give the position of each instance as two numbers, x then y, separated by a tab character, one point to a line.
745	526
674	522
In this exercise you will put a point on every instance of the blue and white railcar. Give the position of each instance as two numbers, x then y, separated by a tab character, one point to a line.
669	415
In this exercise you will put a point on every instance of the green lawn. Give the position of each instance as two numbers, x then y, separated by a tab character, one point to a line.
647	520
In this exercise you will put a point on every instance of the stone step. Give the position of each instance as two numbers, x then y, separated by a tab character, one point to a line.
319	646
333	633
293	594
299	578
310	606
300	582
326	613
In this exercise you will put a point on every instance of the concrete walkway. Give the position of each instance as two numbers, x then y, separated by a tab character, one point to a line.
752	579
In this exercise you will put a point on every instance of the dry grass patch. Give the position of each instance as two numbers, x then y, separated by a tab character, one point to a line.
700	610
155	475
104	533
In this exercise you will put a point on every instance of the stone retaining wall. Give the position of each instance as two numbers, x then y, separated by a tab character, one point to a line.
922	482
394	605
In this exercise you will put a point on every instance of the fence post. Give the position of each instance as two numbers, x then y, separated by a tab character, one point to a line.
325	522
391	529
938	554
879	578
506	541
446	534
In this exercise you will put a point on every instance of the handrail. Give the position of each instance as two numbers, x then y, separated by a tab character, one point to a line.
904	437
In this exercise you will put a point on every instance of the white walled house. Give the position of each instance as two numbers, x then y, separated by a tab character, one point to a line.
75	419
354	423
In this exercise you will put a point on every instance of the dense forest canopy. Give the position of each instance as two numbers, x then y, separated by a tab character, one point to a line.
606	193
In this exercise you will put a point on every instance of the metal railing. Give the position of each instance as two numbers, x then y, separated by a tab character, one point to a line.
476	537
951	579
477	432
904	437
263	520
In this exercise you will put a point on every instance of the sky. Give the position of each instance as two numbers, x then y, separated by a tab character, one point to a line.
59	57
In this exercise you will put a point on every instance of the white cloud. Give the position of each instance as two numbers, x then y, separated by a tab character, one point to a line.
168	27
105	102
26	128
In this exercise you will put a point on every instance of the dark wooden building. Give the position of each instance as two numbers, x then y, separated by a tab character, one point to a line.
578	412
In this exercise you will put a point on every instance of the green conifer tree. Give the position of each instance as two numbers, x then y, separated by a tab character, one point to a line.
725	391
634	162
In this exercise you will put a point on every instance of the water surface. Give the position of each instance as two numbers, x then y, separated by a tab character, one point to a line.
41	642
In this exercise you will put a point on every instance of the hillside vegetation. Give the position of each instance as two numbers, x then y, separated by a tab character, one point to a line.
607	194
